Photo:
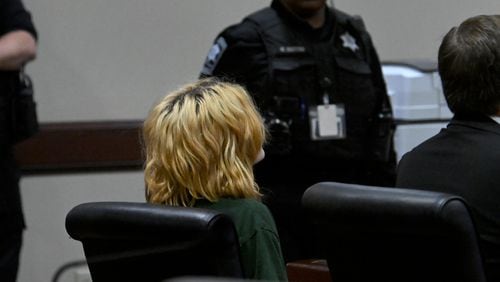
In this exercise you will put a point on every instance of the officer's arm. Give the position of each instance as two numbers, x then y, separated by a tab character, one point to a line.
382	143
378	78
238	55
18	39
16	49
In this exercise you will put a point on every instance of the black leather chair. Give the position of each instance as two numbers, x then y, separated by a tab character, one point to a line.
126	241
389	234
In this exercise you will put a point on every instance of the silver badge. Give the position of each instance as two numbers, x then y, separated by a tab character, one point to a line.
349	42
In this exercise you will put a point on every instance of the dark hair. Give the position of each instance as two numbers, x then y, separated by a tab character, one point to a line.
469	66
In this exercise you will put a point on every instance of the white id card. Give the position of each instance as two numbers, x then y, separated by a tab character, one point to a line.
327	121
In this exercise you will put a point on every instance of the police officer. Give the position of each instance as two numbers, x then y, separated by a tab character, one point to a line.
17	47
315	74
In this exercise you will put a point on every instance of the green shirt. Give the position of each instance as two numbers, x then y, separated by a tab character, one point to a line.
260	249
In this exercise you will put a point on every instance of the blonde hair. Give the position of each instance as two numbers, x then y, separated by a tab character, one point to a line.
201	142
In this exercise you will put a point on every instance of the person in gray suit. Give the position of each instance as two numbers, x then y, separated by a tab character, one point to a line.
464	158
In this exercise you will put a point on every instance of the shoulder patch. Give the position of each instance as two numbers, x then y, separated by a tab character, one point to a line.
214	55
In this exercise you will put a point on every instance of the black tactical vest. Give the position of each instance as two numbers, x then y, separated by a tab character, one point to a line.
301	73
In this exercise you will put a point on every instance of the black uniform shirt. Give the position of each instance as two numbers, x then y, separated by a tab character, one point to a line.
240	55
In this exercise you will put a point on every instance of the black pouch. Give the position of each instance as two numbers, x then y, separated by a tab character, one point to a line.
23	110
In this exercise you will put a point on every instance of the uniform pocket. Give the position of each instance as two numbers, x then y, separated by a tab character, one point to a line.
355	86
293	76
353	65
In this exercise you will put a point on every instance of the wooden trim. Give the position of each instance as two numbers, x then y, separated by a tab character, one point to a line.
82	146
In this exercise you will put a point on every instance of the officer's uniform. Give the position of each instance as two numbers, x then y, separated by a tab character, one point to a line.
297	75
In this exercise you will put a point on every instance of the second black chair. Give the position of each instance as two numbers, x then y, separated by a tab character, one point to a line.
126	241
389	234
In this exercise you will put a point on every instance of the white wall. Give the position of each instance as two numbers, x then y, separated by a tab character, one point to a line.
108	60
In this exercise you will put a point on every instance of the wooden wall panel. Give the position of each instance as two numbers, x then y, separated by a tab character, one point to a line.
82	146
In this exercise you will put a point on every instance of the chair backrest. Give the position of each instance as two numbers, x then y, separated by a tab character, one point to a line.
126	241
390	234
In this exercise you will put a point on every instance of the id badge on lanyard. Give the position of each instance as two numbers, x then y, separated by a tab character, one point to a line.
327	121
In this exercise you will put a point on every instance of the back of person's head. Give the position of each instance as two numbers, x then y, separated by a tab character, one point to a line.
201	142
469	66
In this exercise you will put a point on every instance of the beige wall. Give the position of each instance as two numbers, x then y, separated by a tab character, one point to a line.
107	60
111	59
409	29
